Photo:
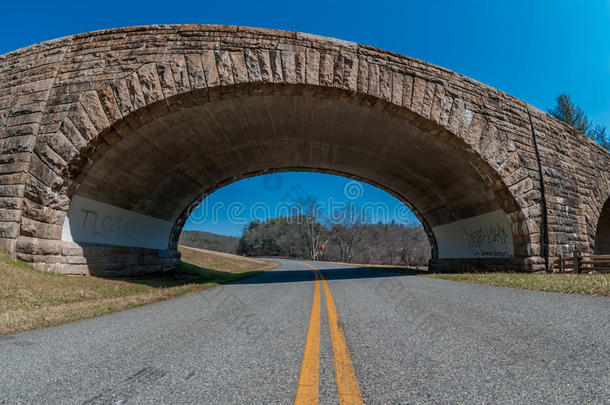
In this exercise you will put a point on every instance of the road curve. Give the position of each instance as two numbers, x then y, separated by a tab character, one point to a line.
407	339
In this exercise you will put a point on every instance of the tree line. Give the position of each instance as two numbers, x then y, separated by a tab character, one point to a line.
347	236
379	243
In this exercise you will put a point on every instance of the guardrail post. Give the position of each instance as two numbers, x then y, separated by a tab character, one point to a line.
576	264
561	263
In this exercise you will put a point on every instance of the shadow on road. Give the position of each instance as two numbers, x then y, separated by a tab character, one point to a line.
189	274
288	276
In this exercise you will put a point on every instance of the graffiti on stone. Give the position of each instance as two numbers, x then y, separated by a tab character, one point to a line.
106	225
487	241
96	222
482	236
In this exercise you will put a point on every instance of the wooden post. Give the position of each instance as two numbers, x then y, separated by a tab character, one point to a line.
561	263
576	266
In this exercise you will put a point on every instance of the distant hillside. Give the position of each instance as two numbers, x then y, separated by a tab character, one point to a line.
209	241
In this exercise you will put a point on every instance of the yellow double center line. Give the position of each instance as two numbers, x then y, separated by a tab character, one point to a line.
307	391
345	376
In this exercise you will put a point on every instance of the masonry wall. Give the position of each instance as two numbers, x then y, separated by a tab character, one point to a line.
576	181
65	102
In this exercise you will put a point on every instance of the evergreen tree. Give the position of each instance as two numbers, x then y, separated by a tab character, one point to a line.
566	111
571	114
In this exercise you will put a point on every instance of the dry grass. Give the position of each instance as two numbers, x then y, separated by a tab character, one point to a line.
589	284
223	261
31	299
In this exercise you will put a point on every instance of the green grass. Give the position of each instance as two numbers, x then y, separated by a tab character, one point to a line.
589	284
32	299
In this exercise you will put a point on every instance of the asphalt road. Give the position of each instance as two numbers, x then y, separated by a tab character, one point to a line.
408	339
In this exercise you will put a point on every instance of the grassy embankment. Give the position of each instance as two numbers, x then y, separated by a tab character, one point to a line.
587	284
31	299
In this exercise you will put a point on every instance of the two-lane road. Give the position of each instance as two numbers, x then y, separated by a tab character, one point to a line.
392	339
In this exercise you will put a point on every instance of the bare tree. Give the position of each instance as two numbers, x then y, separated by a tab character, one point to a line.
346	230
414	242
315	234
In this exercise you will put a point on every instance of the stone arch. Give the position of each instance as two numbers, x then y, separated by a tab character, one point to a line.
90	93
602	232
83	166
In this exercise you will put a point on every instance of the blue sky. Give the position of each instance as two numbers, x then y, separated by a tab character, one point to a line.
532	50
263	197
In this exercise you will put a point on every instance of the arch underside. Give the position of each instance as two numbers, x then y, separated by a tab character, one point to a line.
602	234
162	169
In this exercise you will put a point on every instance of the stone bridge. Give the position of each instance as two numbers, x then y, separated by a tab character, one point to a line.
109	139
